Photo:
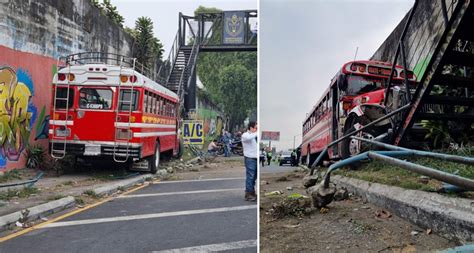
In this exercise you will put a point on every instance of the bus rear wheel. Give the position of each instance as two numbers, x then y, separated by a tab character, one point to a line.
154	160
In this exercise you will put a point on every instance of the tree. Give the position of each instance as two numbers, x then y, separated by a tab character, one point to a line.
107	9
111	12
147	49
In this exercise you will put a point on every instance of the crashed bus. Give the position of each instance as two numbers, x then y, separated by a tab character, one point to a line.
104	108
354	98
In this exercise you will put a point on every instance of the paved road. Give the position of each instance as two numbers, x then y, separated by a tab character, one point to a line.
202	215
274	168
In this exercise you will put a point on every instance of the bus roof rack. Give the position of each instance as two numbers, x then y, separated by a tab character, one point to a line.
109	59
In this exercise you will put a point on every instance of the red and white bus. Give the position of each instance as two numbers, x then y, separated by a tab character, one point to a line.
354	98
102	107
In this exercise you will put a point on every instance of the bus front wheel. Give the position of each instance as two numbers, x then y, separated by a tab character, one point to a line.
154	160
352	147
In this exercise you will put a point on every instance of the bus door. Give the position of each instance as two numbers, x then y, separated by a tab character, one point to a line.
335	118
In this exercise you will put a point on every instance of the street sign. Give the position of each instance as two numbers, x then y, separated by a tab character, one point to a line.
193	132
270	136
234	27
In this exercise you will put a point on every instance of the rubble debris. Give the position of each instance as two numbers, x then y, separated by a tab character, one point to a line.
384	214
322	196
292	206
341	194
429	231
263	182
414	233
291	226
282	179
289	188
324	210
310	180
273	193
423	179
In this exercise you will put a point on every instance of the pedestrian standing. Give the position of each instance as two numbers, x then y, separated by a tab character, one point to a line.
226	141
293	157
249	144
269	157
262	157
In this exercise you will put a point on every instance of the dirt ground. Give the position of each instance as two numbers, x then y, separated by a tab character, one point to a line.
347	226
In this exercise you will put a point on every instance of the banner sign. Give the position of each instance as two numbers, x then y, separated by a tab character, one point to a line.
193	132
270	136
234	27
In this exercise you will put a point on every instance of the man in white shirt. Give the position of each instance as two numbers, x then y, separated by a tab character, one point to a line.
249	144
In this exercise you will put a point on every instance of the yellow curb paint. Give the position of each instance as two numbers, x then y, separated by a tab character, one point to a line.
37	226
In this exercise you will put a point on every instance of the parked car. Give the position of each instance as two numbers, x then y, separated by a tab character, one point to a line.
285	158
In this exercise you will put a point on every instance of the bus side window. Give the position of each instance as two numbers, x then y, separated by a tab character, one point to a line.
125	100
153	104
160	110
145	101
150	102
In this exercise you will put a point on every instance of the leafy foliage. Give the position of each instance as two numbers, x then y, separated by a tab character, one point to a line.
147	49
34	155
107	9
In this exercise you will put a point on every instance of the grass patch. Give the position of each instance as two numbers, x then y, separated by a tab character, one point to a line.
19	193
380	172
79	201
10	175
91	193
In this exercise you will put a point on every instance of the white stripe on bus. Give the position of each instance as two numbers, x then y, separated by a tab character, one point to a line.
144	125
61	122
150	134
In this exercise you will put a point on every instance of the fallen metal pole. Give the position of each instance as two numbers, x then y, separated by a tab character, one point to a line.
325	150
357	158
462	182
452	158
29	183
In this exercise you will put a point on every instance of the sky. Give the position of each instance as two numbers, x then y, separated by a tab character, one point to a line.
303	43
165	13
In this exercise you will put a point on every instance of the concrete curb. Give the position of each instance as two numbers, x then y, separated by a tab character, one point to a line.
126	183
452	218
37	212
52	207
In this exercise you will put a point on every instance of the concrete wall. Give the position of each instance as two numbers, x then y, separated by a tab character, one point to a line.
33	34
422	36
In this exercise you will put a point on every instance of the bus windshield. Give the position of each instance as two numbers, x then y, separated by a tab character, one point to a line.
357	85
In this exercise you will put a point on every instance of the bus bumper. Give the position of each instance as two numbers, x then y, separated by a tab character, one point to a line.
97	149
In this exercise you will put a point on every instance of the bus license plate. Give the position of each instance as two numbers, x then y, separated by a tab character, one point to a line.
92	150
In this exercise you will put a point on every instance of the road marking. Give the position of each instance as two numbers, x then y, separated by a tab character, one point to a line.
148	216
40	225
178	193
201	180
214	247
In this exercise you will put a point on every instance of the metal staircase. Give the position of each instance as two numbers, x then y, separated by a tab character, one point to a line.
440	47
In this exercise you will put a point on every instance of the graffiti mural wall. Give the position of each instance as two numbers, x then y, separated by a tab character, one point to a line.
25	84
211	116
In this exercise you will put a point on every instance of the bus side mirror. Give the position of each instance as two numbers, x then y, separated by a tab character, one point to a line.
342	82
